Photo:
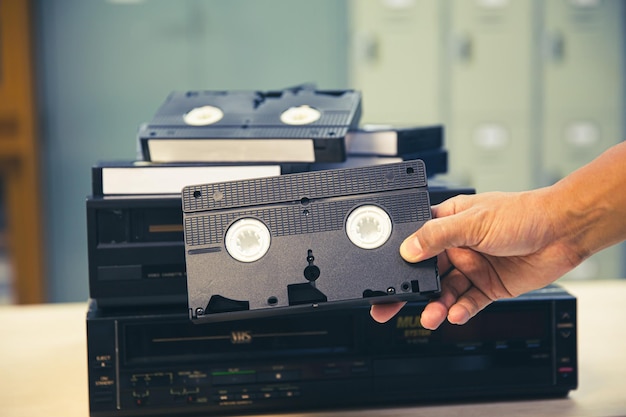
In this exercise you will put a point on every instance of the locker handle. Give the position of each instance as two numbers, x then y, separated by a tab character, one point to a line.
555	46
462	47
367	48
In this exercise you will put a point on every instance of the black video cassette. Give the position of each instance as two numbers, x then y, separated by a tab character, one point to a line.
384	140
313	240
299	124
137	178
436	161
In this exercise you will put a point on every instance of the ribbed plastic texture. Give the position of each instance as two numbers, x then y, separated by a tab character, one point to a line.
306	185
206	229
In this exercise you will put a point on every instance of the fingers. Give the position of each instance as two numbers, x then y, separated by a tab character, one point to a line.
468	305
443	232
459	302
452	286
384	312
434	314
434	237
460	298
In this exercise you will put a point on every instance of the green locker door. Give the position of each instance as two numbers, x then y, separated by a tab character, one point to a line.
493	112
583	97
396	49
583	78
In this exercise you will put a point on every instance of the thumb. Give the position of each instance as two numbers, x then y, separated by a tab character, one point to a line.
434	237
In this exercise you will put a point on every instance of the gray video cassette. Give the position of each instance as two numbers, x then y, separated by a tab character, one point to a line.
312	240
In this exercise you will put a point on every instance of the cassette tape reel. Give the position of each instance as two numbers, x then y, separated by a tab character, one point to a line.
312	240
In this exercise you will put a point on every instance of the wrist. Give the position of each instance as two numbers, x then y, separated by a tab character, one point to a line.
575	218
589	205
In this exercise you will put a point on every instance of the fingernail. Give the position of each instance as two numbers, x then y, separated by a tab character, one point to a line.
411	249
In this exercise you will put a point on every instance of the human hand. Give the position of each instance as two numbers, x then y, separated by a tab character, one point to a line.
490	246
499	245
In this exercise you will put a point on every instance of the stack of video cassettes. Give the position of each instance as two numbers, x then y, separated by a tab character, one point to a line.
384	144
212	136
135	233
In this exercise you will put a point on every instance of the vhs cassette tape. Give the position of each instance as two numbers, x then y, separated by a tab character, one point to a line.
436	161
383	140
313	240
298	124
132	178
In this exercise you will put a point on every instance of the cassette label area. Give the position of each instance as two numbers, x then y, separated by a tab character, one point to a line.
310	240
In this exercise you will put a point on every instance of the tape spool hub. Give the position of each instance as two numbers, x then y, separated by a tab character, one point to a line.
301	115
368	227
247	240
203	116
